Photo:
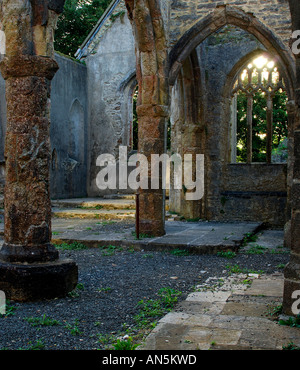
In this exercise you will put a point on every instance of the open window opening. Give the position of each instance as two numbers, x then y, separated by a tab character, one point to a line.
259	114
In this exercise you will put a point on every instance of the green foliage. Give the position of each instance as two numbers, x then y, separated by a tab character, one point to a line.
256	249
248	238
291	321
76	22
291	347
180	252
73	328
71	246
125	344
42	321
227	254
280	127
9	309
155	308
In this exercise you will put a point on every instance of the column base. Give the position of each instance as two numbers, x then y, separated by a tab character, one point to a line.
291	293
32	282
28	254
290	306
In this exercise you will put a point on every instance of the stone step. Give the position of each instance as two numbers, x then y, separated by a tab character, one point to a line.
107	214
95	203
98	203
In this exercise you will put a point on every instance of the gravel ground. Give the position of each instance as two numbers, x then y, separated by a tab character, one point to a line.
113	282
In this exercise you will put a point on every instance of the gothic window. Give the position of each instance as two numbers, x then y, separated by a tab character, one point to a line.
259	116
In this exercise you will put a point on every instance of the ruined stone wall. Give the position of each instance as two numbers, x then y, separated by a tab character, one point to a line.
275	14
68	129
111	80
255	192
106	23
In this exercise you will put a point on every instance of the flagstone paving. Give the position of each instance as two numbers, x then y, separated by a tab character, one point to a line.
235	316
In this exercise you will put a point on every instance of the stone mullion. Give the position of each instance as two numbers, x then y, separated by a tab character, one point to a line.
249	127
269	128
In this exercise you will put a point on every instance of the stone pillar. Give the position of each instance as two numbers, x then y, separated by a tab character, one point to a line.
292	270
30	267
152	104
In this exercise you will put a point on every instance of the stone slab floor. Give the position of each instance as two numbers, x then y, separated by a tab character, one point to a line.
234	316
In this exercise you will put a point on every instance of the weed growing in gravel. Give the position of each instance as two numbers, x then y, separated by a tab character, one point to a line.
236	269
71	246
228	254
291	321
256	249
104	290
75	292
9	309
180	252
73	328
248	238
42	321
153	309
274	310
147	255
38	345
109	250
105	340
125	343
291	346
141	235
279	250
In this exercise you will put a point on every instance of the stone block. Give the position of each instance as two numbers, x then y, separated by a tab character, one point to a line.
32	282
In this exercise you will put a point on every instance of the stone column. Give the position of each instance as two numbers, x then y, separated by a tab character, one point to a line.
292	270
152	105
30	267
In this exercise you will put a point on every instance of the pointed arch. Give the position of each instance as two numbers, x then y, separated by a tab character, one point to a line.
219	18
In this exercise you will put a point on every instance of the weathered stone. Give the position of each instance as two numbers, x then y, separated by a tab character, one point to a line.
28	65
27	206
36	281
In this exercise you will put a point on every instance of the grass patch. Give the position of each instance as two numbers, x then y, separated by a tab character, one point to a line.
109	250
125	344
227	254
291	321
73	328
153	309
291	346
236	269
74	246
42	321
256	249
75	293
9	309
180	252
141	235
249	238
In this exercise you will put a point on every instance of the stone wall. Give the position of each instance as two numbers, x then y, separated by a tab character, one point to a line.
111	83
255	192
275	14
68	130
